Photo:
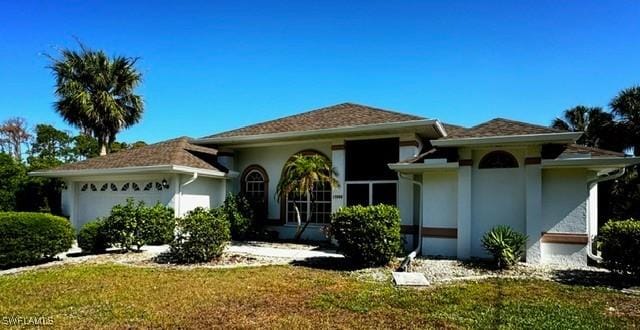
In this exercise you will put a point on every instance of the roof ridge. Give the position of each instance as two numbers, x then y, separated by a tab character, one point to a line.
517	122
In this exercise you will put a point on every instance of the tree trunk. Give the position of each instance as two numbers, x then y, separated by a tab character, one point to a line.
299	231
103	149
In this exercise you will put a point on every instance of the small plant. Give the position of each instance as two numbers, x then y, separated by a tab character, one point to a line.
619	242
369	236
92	237
505	245
201	235
238	211
27	238
159	223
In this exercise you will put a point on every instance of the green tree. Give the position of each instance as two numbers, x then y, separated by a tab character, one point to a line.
599	127
85	146
51	147
13	175
626	105
96	93
299	176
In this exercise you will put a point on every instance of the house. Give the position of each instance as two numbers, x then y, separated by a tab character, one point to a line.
451	184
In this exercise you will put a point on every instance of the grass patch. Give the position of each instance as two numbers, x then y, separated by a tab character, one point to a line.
111	296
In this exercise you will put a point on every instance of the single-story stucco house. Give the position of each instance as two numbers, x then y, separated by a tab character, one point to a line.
451	184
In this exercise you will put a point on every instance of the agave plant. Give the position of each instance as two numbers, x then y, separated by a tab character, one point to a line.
505	245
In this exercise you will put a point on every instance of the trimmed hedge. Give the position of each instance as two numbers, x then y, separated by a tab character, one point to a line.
159	223
619	242
238	211
370	235
201	236
27	238
92	237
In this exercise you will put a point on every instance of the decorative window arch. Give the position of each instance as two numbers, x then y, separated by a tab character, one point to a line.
254	184
498	159
319	203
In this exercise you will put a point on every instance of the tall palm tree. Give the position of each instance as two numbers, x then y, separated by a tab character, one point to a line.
599	127
299	175
626	105
96	93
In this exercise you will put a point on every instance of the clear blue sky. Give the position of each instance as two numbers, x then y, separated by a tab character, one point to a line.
212	66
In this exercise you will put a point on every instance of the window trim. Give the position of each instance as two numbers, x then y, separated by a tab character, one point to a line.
243	185
497	152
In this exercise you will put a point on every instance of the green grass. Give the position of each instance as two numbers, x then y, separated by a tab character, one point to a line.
112	296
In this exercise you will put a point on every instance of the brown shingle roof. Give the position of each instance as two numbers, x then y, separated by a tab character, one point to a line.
171	152
595	152
341	115
498	127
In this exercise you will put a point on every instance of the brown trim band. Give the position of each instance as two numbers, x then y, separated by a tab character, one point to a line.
412	143
564	238
408	229
440	232
337	147
532	161
465	162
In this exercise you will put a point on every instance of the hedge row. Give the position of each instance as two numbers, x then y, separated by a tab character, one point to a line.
27	238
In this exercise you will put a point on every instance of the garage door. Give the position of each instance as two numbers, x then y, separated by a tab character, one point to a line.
95	199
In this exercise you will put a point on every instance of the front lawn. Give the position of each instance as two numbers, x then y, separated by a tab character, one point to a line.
108	295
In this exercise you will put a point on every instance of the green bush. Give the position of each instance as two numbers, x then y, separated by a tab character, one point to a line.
135	224
370	235
505	245
201	235
238	211
159	223
619	242
92	237
27	238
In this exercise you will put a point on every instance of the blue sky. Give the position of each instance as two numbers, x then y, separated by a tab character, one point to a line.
211	66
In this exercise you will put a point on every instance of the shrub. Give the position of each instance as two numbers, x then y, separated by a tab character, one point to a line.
238	211
619	242
92	237
27	238
201	235
505	245
159	223
370	235
124	226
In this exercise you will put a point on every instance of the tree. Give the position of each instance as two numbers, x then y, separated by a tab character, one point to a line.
299	176
626	105
13	175
96	93
599	127
51	146
85	146
13	134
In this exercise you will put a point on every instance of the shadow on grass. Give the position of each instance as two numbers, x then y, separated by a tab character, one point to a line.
594	278
327	263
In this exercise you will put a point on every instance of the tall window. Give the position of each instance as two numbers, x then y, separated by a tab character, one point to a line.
254	188
318	203
498	159
369	181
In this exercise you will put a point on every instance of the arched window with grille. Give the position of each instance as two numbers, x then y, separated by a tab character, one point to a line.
255	185
498	159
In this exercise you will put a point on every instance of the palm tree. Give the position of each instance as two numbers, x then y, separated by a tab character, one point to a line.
96	93
299	175
626	105
599	127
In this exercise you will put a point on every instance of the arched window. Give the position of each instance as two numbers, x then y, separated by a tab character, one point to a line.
498	159
255	184
318	202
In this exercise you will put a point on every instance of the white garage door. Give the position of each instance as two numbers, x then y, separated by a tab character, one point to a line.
95	199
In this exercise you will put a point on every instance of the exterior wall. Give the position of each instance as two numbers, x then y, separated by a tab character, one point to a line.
406	203
272	159
439	201
203	192
564	210
498	198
